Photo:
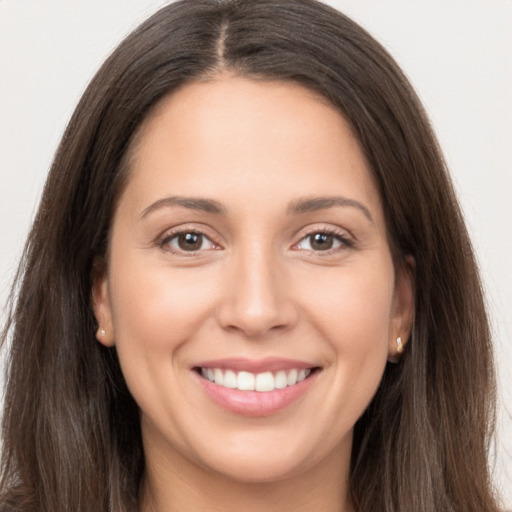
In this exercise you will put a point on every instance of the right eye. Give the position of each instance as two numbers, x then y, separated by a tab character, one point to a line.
187	241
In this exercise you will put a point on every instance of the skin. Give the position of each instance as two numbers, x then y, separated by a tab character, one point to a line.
257	288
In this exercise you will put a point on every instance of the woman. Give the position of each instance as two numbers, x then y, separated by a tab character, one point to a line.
248	284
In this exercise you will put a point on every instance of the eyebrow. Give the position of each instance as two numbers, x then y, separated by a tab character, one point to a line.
311	204
304	205
192	203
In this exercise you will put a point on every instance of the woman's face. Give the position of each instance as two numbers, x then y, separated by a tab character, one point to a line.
250	289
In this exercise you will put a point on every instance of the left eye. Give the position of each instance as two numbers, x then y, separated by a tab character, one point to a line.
320	242
189	242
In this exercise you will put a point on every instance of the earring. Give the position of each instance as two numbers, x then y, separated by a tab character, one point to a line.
103	332
399	346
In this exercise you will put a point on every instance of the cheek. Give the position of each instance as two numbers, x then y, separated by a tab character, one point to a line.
354	319
352	306
155	310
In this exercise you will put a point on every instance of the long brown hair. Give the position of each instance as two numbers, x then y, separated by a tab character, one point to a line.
71	433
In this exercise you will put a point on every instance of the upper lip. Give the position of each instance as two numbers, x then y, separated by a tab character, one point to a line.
271	364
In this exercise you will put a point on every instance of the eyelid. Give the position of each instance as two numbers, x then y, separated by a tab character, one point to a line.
171	233
343	235
346	238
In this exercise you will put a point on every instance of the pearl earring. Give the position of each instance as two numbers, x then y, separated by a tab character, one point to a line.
399	346
103	332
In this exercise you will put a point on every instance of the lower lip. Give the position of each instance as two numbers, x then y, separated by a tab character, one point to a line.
255	403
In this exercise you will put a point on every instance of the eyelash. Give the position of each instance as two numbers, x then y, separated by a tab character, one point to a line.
345	241
164	241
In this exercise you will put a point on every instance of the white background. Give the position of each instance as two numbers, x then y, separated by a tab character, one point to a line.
457	53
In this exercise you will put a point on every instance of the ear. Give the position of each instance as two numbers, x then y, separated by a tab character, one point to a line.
403	309
101	304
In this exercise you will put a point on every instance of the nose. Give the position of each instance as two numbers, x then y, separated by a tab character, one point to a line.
257	297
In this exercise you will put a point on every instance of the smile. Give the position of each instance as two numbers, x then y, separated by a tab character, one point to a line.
255	388
262	382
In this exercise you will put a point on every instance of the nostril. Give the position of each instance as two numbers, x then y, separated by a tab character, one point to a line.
255	322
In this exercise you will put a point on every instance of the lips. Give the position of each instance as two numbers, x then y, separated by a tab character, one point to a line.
255	388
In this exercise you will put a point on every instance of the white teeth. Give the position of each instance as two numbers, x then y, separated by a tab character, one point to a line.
292	377
246	381
219	377
280	380
265	382
230	380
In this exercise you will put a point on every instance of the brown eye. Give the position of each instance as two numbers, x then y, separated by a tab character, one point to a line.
321	241
188	242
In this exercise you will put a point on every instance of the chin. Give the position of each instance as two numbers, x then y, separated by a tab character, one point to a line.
260	470
267	458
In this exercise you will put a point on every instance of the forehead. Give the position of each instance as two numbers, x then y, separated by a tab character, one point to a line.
233	137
